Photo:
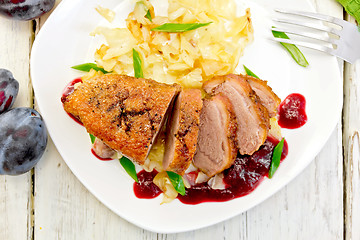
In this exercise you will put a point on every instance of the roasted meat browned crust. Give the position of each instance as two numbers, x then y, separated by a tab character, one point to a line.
267	97
126	113
252	117
216	148
182	131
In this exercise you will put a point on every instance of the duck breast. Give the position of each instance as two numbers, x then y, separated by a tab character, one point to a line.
251	116
216	147
267	97
126	113
182	131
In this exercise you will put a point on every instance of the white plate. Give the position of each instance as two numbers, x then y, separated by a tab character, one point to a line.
64	41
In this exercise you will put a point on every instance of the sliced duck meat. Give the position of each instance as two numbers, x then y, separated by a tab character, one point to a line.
216	147
126	113
252	117
182	131
267	97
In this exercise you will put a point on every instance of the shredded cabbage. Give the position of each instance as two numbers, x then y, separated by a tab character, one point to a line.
188	58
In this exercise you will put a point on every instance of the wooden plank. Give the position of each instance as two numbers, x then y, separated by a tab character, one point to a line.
64	209
351	120
15	191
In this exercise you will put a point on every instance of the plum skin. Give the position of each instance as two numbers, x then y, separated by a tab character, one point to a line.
23	139
9	88
25	9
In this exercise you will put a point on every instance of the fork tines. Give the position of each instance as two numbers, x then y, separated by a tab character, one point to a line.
341	38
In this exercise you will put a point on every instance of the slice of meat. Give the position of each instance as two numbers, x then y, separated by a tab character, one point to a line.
126	113
267	97
251	116
216	147
182	131
102	150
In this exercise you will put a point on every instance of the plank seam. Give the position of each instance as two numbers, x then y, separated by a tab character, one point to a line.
344	143
31	227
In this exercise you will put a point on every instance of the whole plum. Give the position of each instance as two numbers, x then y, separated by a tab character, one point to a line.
9	89
25	9
23	139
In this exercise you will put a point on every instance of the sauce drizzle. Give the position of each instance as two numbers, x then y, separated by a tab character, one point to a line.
240	179
145	188
292	111
69	89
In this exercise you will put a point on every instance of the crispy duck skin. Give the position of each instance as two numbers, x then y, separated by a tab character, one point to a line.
216	148
267	97
251	116
182	131
126	113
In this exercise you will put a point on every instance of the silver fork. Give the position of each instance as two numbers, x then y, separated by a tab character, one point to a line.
343	41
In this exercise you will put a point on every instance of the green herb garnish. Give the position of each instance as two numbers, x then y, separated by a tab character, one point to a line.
276	157
148	15
92	137
137	64
86	67
294	51
129	168
177	181
179	27
249	72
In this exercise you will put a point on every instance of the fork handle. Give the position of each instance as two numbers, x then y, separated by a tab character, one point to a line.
352	7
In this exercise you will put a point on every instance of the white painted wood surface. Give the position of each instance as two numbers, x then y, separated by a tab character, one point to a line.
312	206
351	136
15	192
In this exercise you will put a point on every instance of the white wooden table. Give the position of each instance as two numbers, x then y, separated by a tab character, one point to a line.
323	202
